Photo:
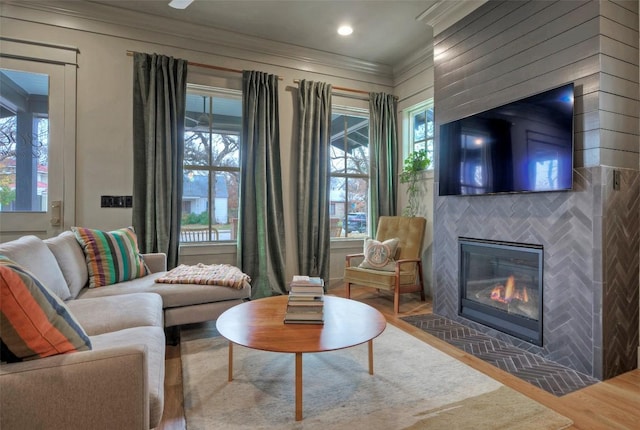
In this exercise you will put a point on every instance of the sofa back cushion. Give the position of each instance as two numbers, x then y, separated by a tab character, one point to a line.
33	254
68	253
112	256
34	322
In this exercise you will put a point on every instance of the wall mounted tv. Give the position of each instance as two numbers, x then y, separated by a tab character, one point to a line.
523	146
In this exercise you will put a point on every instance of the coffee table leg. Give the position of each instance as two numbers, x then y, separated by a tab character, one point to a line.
230	361
298	386
371	357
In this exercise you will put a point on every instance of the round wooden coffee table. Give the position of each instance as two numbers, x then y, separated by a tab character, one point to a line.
259	324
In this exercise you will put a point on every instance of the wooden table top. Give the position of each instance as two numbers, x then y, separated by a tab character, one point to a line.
259	324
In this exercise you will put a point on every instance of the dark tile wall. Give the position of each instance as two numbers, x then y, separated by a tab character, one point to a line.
590	240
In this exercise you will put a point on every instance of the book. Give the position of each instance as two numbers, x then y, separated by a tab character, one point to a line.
286	321
295	297
307	280
310	316
306	303
304	309
306	289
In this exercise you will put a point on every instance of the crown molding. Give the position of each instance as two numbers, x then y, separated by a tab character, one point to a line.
444	13
233	44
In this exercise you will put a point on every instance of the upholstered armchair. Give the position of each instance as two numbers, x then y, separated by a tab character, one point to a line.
391	261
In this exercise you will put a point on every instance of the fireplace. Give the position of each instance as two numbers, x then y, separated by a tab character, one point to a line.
501	286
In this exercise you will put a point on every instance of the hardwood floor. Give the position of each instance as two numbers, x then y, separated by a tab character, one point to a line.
610	405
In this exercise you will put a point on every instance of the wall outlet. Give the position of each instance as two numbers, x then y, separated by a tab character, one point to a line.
116	201
616	180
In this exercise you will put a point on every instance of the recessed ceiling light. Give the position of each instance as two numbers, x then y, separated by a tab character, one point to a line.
345	30
180	4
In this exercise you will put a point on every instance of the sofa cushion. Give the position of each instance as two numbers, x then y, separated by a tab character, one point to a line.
380	255
34	322
68	253
173	295
154	341
111	257
33	254
105	314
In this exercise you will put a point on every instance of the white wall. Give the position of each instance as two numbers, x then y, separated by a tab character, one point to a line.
104	99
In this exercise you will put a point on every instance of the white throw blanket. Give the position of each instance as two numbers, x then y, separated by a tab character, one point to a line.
224	275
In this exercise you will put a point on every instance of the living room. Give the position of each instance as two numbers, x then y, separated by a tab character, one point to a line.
463	72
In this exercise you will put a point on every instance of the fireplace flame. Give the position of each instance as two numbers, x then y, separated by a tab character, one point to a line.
509	292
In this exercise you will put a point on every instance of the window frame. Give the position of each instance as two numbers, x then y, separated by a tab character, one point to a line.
409	143
355	112
213	170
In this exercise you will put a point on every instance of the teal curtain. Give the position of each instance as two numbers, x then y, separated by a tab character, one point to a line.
313	186
261	240
159	94
383	155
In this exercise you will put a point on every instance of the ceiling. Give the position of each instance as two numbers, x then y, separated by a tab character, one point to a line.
385	32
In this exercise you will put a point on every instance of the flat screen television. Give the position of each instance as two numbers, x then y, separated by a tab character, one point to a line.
523	146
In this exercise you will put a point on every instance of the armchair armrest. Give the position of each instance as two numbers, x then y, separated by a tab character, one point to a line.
156	262
406	261
90	389
349	257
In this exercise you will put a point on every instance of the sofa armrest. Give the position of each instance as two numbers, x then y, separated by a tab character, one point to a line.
156	262
90	389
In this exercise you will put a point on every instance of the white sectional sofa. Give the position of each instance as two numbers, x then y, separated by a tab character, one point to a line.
119	383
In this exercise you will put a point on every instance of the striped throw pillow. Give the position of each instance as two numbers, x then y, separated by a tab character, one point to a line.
34	322
112	256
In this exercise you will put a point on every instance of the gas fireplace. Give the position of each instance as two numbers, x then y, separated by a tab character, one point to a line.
501	286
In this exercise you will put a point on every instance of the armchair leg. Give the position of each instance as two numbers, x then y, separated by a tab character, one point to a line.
347	290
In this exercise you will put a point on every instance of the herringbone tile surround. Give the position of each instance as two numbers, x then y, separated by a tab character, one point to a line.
552	377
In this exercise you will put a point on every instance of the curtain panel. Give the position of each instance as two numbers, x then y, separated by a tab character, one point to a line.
159	95
313	185
261	239
383	152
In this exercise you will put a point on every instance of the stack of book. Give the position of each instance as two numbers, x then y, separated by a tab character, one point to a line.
306	301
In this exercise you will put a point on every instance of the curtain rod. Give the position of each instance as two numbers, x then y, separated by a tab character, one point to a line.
206	66
351	90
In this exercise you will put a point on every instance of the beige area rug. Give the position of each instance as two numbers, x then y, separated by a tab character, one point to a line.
415	386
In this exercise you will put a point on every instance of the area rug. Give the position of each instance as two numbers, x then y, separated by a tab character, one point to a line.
414	386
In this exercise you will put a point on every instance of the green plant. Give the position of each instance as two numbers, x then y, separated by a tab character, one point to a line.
412	169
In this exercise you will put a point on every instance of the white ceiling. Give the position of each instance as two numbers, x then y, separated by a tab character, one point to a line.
385	32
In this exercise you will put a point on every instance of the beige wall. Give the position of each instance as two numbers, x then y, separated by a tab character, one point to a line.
104	102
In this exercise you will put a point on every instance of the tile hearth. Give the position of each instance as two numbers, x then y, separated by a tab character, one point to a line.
551	377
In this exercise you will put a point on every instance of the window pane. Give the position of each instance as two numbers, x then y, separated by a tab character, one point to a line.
348	205
211	175
419	123
430	124
24	141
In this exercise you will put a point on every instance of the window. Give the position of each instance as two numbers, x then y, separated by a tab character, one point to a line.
349	171
24	138
213	123
421	129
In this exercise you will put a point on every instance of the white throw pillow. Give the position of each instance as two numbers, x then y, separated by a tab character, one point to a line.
380	255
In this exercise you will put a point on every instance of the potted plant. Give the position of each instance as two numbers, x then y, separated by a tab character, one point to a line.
412	169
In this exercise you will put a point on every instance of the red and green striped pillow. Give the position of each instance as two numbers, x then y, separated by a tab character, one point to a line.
112	256
34	322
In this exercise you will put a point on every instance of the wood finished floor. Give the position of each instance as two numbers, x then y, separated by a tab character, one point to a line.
610	405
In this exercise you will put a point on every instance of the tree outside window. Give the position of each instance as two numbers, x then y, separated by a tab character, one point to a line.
349	152
213	122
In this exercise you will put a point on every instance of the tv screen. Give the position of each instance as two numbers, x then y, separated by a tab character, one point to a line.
524	146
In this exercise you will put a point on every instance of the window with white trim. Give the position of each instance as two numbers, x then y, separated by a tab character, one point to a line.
349	172
211	167
421	129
